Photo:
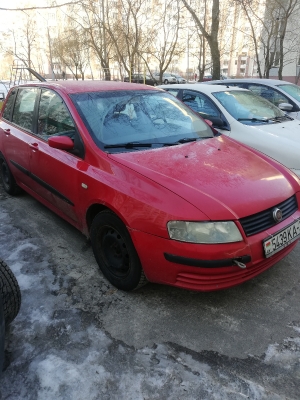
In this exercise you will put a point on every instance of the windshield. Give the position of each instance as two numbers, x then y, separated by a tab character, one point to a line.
138	116
292	90
248	108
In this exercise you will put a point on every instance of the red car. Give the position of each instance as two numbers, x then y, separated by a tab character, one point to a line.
162	197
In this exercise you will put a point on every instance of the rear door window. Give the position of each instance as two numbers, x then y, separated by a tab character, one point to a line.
200	103
174	92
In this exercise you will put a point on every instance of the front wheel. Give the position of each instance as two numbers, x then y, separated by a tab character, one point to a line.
8	181
115	252
166	81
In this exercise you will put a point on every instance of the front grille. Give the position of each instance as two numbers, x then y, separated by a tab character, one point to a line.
263	220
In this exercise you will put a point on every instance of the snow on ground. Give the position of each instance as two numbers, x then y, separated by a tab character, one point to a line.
56	350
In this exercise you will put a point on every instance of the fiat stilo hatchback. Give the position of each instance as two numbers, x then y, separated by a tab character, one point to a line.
163	197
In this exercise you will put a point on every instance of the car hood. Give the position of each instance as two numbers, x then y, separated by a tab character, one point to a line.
223	179
280	141
289	130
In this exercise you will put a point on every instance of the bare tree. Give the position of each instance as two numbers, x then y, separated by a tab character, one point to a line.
209	32
286	9
275	41
124	24
71	50
162	45
24	42
90	16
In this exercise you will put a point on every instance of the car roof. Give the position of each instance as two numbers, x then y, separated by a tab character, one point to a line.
73	86
202	87
271	82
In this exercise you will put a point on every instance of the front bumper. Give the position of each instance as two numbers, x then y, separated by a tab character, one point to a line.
206	267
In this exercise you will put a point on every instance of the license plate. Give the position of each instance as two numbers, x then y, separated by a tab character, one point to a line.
281	239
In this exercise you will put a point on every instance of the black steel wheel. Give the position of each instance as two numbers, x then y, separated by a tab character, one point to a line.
115	252
8	181
9	292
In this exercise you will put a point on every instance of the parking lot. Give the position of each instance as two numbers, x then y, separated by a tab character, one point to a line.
77	337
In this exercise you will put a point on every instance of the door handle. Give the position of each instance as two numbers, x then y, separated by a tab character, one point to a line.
7	131
34	146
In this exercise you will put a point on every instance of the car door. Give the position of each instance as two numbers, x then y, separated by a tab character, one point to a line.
55	172
16	129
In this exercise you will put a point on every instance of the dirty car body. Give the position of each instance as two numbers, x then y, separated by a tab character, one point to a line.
162	196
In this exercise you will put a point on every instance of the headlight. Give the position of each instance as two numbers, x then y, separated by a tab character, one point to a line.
204	232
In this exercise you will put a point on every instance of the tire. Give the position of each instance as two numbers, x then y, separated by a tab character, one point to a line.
9	292
8	181
115	252
166	81
2	336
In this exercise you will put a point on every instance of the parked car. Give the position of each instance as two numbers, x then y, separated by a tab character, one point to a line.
283	94
179	79
246	117
208	78
140	78
10	302
166	78
161	195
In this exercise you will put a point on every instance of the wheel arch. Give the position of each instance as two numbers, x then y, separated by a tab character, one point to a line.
95	209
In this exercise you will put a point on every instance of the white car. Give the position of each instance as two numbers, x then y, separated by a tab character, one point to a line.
246	117
283	94
166	78
179	79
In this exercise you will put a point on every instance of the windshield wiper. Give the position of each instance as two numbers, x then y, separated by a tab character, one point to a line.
280	118
129	145
254	119
186	140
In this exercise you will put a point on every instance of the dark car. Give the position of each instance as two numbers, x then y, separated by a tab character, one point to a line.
10	302
140	78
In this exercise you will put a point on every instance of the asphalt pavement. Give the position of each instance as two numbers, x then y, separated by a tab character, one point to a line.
78	337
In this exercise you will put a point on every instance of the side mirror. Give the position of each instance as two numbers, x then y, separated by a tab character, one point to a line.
61	142
208	122
216	121
285	106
